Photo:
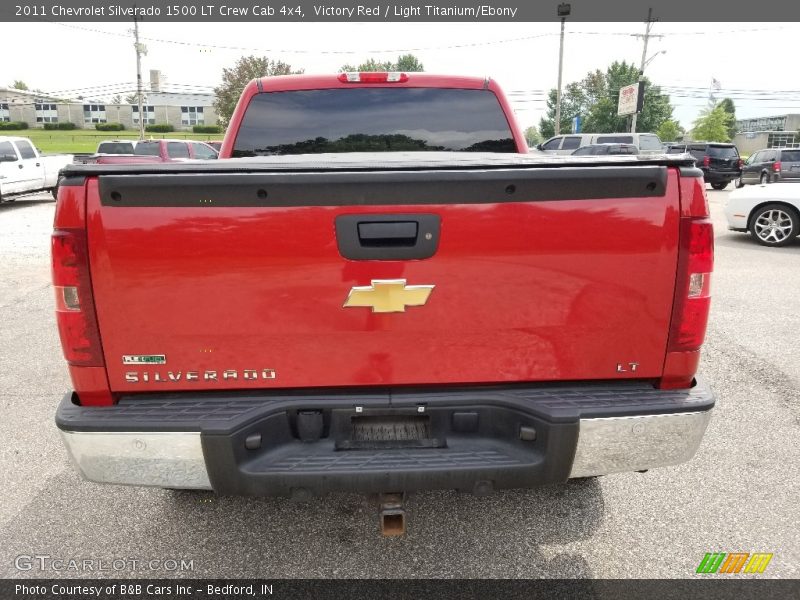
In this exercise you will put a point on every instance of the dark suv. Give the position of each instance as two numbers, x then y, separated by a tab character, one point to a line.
719	162
771	165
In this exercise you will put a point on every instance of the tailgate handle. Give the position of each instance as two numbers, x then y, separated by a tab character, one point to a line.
388	233
387	237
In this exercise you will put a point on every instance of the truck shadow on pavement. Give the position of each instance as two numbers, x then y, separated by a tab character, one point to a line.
510	534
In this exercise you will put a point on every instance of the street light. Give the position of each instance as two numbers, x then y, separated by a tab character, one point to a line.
563	12
641	75
649	60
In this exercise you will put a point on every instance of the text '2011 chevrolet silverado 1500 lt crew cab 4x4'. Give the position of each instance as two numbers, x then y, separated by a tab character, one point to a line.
435	310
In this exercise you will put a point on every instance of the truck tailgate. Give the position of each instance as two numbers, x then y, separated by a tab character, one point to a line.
226	280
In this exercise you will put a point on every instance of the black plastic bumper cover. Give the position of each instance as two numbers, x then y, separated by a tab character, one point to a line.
497	437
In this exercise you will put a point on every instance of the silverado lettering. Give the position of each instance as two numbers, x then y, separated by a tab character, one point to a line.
446	309
158	377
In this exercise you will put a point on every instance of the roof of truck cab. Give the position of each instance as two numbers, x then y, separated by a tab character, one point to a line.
415	79
12	138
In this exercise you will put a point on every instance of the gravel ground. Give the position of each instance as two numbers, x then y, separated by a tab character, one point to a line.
738	495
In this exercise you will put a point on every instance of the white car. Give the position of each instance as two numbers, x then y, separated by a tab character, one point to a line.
23	170
771	213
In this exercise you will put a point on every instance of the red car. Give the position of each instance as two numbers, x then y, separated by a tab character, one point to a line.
154	151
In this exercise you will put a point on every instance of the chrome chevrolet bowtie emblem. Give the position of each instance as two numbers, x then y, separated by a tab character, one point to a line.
388	295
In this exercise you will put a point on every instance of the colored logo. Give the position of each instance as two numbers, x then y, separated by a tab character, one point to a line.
388	295
734	562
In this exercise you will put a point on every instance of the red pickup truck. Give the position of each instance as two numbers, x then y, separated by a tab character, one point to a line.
381	292
155	151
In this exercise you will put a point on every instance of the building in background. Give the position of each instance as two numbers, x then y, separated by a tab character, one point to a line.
180	110
767	132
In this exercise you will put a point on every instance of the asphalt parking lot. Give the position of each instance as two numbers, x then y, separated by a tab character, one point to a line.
738	495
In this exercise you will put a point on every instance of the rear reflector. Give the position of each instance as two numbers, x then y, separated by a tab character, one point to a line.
777	167
373	77
75	314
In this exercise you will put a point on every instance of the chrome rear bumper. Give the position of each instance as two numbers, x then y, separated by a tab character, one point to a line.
620	444
164	459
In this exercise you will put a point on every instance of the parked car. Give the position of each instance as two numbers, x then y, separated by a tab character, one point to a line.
720	162
771	213
153	151
216	145
23	170
175	149
647	143
771	165
597	149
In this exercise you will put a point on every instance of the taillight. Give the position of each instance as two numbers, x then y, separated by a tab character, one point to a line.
692	300
693	288
373	77
777	167
741	163
75	314
706	161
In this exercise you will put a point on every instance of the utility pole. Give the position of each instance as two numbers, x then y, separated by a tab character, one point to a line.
563	12
646	36
138	73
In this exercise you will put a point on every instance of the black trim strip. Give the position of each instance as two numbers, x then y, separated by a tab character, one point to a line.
382	187
691	172
72	180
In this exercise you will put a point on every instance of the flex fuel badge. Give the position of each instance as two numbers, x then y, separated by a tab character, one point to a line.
144	359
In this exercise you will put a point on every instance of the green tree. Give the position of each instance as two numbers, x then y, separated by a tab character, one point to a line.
116	99
237	77
132	98
574	101
603	118
532	136
712	125
407	63
728	106
669	131
595	98
20	85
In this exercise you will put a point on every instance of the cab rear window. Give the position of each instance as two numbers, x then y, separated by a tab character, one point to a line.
373	120
115	148
148	149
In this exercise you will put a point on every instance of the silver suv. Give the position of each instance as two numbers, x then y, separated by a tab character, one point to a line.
646	143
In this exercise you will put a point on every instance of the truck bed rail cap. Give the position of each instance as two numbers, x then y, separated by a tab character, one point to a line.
371	161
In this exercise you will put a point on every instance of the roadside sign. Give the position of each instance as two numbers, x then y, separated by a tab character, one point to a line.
576	124
631	99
